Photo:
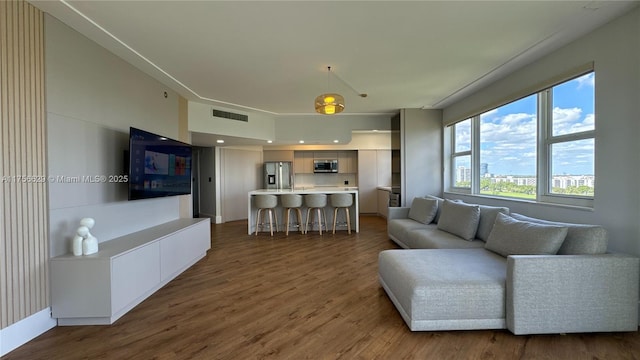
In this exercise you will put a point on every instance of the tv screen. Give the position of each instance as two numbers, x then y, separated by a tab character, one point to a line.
158	166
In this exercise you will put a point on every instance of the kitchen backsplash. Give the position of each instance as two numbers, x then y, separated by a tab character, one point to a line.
313	180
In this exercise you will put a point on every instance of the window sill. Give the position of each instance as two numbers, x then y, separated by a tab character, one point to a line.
579	204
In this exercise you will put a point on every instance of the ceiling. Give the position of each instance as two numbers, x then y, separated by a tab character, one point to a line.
272	57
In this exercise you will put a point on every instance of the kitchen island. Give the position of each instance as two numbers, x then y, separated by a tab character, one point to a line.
354	212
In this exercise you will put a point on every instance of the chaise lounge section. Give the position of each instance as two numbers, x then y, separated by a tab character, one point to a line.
527	275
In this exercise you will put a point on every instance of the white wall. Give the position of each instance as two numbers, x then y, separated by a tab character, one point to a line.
615	51
323	128
359	141
201	119
93	97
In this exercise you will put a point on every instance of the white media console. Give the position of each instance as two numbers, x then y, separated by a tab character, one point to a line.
98	289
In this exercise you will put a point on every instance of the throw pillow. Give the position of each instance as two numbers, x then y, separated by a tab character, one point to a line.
440	202
487	219
423	210
582	239
459	219
513	237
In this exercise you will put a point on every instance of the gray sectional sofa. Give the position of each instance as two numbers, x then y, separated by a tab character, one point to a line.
467	266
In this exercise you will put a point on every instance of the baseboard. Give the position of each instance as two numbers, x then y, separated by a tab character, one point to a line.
25	330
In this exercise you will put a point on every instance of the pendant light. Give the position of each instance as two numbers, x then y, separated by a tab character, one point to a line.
329	103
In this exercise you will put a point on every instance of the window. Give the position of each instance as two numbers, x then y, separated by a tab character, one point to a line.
540	147
508	149
571	143
461	157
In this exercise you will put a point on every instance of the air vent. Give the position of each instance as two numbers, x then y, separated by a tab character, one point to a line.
230	115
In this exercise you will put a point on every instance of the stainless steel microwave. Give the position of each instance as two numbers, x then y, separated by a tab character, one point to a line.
325	166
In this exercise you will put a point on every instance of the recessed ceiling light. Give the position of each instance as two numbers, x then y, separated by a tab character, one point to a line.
269	141
301	141
336	141
220	141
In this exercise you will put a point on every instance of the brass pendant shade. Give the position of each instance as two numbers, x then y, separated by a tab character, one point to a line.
329	104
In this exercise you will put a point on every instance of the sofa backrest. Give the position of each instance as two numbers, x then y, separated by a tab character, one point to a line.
488	216
581	239
440	202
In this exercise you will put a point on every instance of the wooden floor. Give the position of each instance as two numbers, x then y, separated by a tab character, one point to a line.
296	297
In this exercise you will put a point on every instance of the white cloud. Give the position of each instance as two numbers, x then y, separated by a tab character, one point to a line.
570	121
509	143
586	80
488	113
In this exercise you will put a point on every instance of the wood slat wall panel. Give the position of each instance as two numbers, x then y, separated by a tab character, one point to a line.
24	245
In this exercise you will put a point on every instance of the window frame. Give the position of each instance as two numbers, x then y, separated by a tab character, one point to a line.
545	141
455	155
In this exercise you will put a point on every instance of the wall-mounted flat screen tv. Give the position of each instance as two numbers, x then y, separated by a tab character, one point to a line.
158	166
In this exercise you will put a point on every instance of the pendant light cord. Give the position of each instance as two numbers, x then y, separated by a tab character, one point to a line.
363	95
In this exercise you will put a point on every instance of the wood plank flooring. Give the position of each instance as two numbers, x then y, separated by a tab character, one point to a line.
296	297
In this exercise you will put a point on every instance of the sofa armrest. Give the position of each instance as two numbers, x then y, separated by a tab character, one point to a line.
398	213
572	293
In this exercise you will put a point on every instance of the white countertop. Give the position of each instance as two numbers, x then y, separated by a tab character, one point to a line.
310	190
393	189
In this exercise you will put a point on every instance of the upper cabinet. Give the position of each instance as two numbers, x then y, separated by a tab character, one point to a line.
303	162
348	162
277	155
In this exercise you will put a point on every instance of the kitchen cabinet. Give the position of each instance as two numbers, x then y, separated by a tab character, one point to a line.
325	155
373	171
383	202
303	162
367	181
277	155
383	166
348	162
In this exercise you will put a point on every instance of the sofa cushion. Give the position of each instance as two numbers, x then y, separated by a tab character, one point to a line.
433	238
398	230
581	239
423	210
452	289
459	219
513	237
487	219
440	202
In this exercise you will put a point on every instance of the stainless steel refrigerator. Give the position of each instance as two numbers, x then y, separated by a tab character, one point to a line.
278	175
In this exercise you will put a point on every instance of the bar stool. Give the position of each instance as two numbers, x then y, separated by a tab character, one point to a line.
316	202
266	202
341	201
291	202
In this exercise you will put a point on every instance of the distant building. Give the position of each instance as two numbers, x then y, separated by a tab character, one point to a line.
484	169
463	174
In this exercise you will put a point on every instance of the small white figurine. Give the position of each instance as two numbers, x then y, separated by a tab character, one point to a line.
81	233
84	243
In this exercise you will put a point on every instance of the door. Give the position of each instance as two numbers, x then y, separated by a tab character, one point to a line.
195	183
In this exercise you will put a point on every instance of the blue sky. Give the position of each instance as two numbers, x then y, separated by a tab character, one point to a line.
508	140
